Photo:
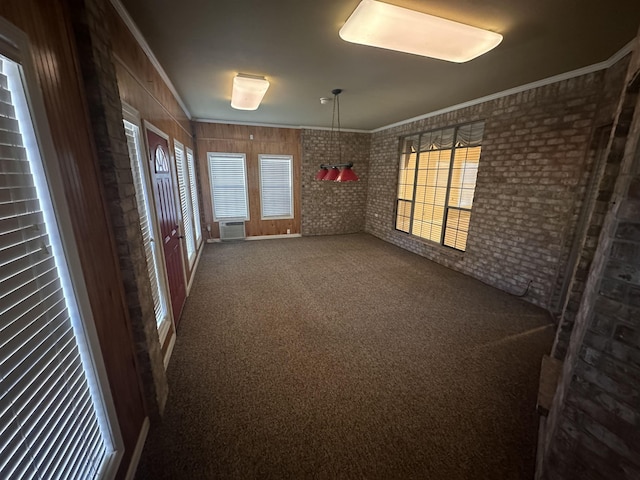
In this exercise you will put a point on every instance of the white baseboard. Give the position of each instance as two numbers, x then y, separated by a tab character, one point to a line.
273	237
193	271
137	452
261	237
167	356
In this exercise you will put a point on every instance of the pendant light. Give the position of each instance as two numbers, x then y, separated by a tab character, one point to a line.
332	172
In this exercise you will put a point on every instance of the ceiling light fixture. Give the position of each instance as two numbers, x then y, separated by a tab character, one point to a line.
382	25
332	172
248	91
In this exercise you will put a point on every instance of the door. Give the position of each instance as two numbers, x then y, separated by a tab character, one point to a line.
168	218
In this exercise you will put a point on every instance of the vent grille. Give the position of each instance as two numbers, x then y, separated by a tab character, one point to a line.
232	230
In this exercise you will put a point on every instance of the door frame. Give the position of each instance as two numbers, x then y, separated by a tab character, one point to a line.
132	115
176	202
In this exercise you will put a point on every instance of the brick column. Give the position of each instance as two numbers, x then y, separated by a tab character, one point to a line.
105	111
593	430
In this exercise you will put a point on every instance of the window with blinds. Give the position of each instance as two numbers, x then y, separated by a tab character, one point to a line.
185	201
53	422
436	183
276	186
193	187
228	175
151	248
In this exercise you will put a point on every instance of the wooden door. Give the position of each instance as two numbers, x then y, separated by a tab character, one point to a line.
168	218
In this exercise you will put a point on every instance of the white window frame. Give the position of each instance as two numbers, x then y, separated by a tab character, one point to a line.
14	44
186	209
238	156
289	160
193	185
132	116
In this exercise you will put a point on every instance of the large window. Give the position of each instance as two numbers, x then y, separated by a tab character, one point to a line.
276	186
55	417
228	174
148	227
436	183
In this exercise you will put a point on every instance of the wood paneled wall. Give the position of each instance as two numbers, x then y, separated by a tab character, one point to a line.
143	88
48	26
253	141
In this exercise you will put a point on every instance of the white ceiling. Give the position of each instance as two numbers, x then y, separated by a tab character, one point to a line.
202	44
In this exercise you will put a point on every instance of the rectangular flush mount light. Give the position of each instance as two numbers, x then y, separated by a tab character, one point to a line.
382	25
248	91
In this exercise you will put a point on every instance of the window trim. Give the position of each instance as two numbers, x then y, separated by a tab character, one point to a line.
195	206
131	115
186	220
242	156
446	207
261	157
15	45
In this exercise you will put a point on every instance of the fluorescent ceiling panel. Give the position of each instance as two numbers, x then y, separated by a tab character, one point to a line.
382	25
248	92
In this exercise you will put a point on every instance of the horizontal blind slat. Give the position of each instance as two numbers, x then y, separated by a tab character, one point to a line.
46	310
29	294
194	195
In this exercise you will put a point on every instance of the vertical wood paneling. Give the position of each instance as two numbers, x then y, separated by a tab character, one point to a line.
48	27
218	137
141	86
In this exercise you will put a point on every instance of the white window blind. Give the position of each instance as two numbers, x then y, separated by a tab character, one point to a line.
52	420
151	248
228	186
185	201
276	186
193	186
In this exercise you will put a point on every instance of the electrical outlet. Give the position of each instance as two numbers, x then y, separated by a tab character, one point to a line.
288	231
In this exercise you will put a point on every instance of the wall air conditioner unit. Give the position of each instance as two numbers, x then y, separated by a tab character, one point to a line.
232	230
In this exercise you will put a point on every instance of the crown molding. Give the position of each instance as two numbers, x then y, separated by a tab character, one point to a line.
619	55
276	125
133	28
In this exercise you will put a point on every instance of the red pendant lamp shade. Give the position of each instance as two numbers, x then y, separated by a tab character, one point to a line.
332	174
322	173
347	175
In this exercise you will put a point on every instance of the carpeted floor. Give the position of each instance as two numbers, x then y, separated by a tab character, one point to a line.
347	358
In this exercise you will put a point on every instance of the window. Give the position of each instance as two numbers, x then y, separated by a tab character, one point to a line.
436	183
193	186
147	227
56	419
185	201
276	186
229	186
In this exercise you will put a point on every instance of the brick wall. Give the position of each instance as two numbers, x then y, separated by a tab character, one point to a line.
593	430
105	109
607	151
535	166
331	208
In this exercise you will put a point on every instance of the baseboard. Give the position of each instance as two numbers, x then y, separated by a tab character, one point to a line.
194	270
137	452
261	237
167	356
273	237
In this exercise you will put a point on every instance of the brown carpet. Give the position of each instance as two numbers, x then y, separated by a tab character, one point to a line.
347	358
